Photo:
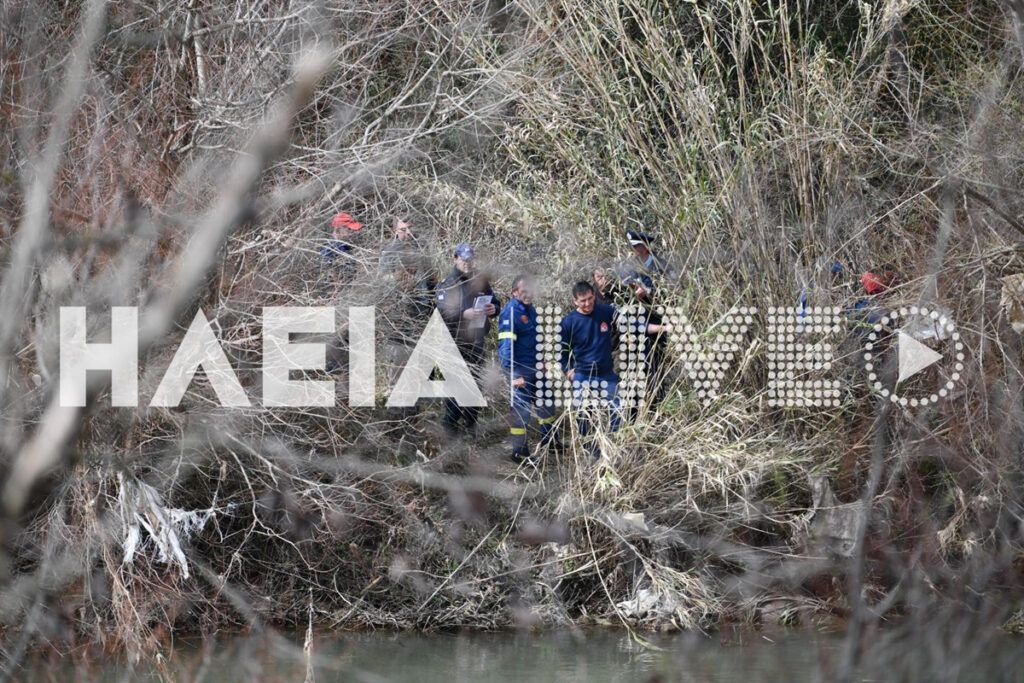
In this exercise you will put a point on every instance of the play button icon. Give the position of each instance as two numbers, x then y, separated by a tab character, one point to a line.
909	325
913	356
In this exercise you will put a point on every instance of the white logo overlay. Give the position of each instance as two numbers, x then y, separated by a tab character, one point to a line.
555	389
800	358
200	349
800	355
705	358
913	357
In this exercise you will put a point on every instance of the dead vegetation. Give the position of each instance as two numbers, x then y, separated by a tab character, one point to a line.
190	156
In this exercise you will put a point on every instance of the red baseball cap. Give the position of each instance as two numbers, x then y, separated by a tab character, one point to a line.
346	220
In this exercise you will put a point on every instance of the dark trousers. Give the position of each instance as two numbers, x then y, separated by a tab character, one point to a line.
464	418
656	379
460	418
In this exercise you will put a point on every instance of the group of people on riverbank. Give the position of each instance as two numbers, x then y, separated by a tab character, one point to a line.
588	334
468	304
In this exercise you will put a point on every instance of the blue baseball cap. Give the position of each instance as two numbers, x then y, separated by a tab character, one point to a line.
464	251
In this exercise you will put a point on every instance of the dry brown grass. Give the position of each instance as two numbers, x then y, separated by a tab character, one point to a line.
762	142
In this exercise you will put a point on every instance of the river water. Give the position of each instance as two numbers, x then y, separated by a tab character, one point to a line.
591	656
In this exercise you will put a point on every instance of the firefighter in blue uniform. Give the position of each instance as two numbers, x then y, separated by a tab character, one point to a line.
518	355
587	343
586	352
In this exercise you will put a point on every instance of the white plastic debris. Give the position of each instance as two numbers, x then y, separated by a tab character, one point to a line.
167	529
650	604
922	327
636	522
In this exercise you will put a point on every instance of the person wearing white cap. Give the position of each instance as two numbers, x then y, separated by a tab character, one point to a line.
644	289
655	265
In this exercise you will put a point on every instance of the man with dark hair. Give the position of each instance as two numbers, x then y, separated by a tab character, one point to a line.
606	289
586	352
466	302
517	353
402	251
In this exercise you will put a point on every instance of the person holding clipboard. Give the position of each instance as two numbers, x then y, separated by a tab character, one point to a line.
467	303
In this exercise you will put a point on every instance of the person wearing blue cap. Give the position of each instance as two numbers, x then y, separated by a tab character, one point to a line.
518	355
467	302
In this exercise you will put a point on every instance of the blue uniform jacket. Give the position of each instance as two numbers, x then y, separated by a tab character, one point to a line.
587	342
332	250
517	339
659	266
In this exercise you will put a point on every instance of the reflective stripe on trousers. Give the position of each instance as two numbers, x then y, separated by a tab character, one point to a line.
524	402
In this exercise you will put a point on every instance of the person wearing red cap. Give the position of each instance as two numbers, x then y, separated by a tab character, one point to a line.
336	254
337	266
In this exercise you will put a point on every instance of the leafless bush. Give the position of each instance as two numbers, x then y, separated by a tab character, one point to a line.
190	157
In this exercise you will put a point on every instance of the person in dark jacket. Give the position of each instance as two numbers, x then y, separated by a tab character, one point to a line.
402	251
518	355
339	265
607	290
586	352
644	284
406	311
467	303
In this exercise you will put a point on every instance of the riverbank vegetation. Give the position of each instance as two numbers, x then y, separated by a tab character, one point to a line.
191	156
